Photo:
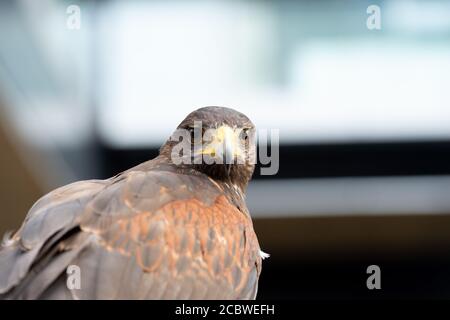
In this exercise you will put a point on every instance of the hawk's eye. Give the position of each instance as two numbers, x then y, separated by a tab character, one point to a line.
196	132
244	134
192	133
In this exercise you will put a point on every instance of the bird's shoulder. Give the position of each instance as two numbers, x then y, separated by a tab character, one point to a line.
181	225
137	203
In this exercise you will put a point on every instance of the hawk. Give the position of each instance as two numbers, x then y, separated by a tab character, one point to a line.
165	229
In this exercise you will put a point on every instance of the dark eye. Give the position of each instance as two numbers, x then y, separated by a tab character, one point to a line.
194	131
191	132
245	134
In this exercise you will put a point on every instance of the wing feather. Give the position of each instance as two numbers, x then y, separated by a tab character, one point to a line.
141	235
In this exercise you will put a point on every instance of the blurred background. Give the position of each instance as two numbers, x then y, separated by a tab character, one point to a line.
364	120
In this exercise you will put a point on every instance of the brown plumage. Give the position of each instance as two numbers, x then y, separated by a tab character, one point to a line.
156	231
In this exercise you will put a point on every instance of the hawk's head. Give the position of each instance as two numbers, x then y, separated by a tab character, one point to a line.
217	141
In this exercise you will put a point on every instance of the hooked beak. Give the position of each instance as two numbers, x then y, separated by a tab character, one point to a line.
224	145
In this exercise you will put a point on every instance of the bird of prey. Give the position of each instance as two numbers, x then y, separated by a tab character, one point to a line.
164	229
